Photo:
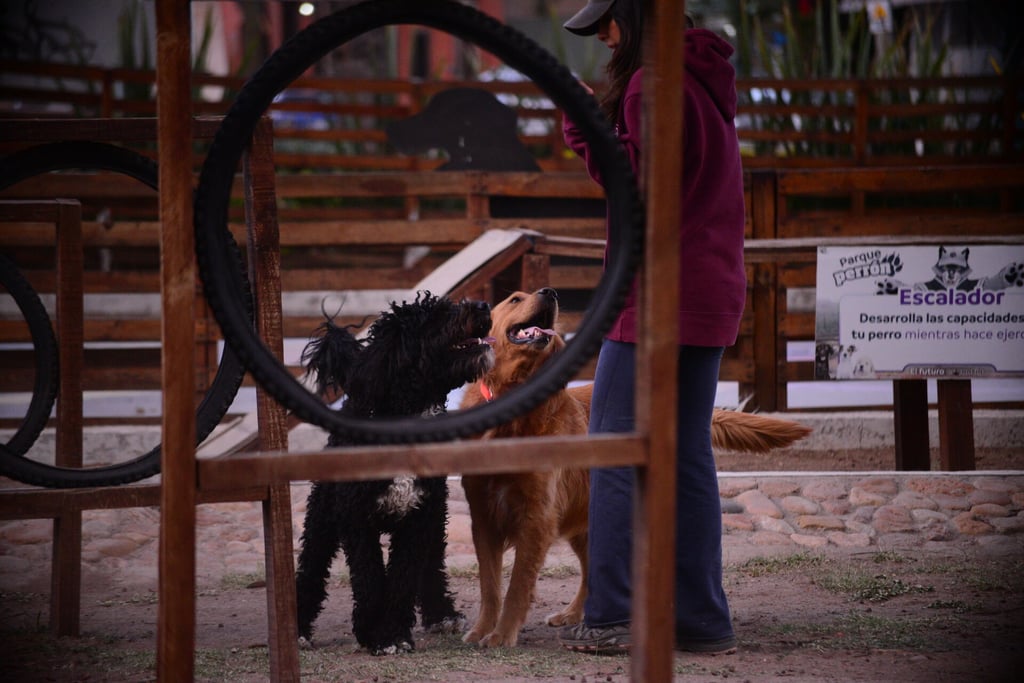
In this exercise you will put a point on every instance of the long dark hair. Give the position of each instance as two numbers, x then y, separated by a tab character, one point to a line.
629	16
628	57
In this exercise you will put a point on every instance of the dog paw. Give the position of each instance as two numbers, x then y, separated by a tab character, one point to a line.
452	624
472	636
392	649
566	618
887	286
305	643
496	639
1013	275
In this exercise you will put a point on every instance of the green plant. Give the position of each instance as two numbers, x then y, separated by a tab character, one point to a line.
131	27
828	44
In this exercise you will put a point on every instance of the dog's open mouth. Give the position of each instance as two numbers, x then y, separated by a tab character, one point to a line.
530	334
473	341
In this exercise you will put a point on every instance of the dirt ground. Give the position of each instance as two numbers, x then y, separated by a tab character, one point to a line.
868	616
837	614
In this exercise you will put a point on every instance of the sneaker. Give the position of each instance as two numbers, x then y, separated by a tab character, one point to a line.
583	638
721	646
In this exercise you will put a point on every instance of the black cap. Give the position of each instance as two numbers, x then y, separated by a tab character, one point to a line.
584	22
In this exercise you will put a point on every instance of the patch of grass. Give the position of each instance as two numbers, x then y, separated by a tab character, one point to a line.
244	580
469	571
443	656
868	588
121	662
82	658
691	668
958	606
890	556
764	566
225	664
987	576
555	571
150	598
999	577
19	598
860	631
559	571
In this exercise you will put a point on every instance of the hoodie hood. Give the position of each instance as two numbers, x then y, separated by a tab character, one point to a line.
707	60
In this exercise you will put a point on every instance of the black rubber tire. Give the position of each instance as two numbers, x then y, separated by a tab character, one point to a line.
214	243
45	355
67	155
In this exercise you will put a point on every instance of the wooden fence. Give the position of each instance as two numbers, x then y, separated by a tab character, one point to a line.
330	123
387	230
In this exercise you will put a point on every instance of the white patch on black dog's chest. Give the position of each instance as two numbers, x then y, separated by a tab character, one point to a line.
401	497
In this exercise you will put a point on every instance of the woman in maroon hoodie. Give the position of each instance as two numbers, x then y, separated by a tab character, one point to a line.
711	297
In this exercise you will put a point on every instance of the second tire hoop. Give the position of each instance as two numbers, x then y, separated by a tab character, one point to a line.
68	155
221	273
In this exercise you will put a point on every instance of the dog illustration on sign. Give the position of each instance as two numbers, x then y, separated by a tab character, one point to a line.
953	272
852	365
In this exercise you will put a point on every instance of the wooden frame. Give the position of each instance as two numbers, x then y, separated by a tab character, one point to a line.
651	661
66	559
777	210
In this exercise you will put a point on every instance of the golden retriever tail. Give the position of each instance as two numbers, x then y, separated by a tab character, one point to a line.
751	433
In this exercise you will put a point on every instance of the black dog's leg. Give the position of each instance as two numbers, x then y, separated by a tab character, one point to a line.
367	576
319	545
437	606
404	557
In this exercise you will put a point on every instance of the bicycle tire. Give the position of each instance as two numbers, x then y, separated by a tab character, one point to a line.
213	239
45	355
67	155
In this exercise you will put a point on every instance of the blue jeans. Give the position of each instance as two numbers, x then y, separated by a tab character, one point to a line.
701	608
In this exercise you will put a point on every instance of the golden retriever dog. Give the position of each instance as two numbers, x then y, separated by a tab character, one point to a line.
529	511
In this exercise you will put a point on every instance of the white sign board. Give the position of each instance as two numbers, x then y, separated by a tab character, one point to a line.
950	311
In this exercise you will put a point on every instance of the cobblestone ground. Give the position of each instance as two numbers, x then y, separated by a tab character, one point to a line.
768	511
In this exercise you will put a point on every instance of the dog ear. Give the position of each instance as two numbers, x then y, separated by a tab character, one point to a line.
330	355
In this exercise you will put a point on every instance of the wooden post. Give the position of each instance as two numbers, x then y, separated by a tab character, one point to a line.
66	560
956	424
654	529
768	392
535	272
265	267
176	618
910	423
860	125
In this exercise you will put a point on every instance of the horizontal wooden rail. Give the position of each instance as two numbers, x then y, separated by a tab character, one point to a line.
899	180
35	503
425	460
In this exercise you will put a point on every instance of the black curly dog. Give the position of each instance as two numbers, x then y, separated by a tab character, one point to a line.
411	358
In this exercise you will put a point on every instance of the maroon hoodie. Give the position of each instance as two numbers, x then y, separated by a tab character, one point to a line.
713	284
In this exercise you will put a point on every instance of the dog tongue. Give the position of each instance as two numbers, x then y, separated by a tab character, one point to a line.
535	332
487	340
